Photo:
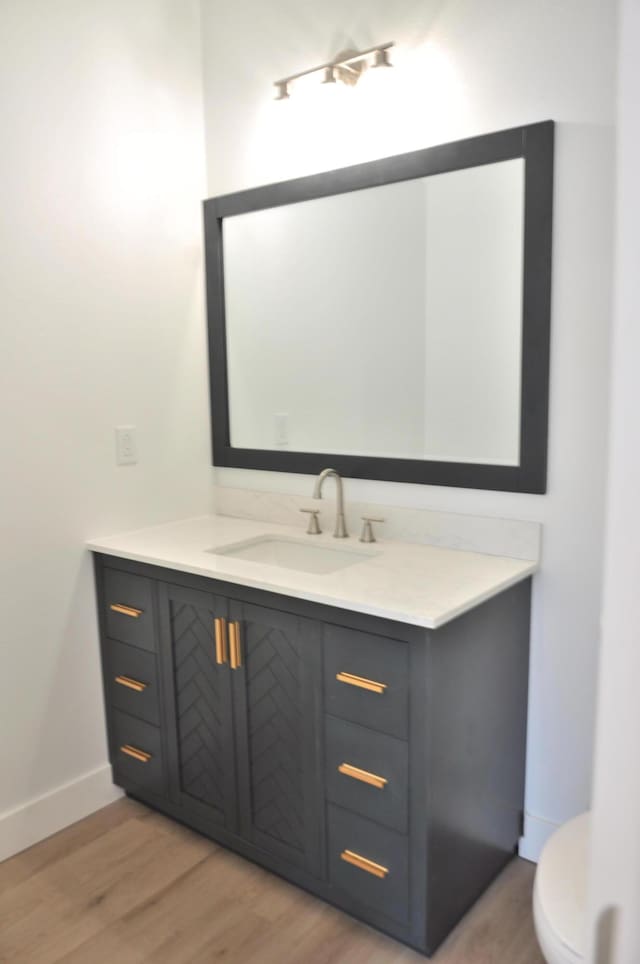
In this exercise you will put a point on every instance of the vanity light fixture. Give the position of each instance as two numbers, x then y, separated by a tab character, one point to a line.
381	58
348	67
282	90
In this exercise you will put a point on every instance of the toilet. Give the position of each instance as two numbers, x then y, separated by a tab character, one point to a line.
560	893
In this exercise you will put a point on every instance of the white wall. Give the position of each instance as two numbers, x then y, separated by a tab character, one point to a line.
464	68
615	863
101	174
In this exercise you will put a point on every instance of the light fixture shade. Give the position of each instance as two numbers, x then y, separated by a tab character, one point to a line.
282	90
381	58
329	76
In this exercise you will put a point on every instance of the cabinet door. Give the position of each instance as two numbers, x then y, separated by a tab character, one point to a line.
198	704
276	691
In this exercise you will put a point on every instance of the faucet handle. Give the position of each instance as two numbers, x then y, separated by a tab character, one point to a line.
313	529
367	530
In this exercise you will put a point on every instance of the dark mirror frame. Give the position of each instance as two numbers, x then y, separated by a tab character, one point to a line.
534	143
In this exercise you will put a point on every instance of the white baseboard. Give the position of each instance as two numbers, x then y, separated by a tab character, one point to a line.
536	833
37	819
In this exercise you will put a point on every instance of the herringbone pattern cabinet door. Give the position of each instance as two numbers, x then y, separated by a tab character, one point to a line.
201	731
203	770
274	709
275	693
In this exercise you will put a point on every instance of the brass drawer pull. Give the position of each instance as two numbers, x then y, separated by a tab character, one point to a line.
221	641
363	864
137	754
131	684
361	682
126	610
363	775
235	646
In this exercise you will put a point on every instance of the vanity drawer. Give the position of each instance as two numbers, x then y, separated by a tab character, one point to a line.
367	772
369	863
129	608
367	680
137	753
133	681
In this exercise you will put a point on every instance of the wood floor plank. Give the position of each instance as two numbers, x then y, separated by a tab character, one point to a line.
63	905
30	861
188	913
131	886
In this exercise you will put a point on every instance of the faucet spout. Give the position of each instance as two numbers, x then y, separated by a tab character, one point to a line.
340	531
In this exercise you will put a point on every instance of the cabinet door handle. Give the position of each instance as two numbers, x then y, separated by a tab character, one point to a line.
361	682
364	864
132	684
221	641
235	646
363	775
126	610
141	755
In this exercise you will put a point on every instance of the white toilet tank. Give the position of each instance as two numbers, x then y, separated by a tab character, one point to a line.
560	893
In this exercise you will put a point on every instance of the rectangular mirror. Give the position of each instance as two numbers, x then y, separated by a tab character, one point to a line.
390	319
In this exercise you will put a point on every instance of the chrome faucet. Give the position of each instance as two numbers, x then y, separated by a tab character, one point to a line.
340	531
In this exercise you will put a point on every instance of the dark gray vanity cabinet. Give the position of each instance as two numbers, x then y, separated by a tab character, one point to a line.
377	764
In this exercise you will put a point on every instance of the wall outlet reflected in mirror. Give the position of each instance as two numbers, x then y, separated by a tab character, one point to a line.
281	425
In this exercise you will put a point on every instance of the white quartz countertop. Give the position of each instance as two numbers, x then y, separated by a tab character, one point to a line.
412	583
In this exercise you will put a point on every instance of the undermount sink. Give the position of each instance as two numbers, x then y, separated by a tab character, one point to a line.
293	554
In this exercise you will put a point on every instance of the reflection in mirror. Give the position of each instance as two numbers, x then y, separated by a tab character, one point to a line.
385	322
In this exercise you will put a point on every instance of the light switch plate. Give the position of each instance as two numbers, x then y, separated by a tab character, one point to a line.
126	445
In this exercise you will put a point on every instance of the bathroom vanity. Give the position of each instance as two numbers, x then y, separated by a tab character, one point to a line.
360	732
353	717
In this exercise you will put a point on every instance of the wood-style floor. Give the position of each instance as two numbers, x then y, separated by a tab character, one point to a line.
127	886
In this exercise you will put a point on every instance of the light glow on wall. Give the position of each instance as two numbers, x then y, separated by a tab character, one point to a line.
142	157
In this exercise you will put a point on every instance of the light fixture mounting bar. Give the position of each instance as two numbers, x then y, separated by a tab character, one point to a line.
332	64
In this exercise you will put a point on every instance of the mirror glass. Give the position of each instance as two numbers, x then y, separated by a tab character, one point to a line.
385	321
